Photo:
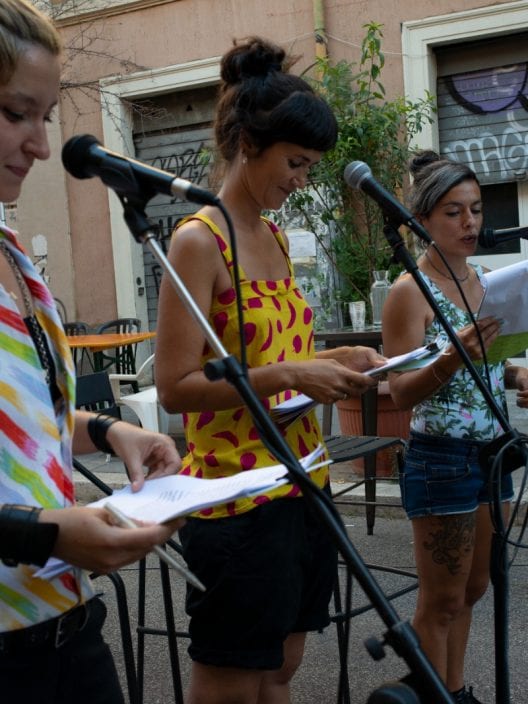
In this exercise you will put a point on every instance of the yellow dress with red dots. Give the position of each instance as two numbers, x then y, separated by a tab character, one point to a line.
277	327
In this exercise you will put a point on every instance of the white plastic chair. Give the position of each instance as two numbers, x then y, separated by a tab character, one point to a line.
144	403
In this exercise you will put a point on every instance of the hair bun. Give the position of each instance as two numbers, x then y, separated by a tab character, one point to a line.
255	57
422	159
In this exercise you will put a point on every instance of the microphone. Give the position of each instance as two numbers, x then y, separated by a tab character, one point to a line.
489	238
358	175
84	156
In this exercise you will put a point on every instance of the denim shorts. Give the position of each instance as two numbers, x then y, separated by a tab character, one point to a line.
443	475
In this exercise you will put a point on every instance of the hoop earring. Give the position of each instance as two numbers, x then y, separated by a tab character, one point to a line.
244	160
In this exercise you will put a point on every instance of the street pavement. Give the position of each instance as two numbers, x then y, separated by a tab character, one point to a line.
389	548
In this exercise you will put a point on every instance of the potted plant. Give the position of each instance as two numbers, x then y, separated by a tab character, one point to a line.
378	132
371	129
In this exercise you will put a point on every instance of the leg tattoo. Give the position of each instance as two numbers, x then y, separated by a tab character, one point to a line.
455	538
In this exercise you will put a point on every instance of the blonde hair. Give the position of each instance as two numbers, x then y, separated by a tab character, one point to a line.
22	24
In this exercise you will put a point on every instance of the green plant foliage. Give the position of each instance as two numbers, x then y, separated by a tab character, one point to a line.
371	129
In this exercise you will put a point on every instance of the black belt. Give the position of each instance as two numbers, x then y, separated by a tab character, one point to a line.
50	634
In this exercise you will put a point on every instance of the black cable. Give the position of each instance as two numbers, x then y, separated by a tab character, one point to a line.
236	278
468	310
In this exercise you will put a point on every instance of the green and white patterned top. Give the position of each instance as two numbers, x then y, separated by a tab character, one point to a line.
459	409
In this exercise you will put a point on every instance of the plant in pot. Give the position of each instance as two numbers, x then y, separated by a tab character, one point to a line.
379	132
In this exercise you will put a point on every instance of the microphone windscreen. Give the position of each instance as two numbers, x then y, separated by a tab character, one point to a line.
487	238
356	172
74	155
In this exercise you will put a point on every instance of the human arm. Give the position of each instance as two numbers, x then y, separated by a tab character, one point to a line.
406	317
137	448
182	385
82	536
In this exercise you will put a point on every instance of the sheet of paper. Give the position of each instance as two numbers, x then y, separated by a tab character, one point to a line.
415	359
292	409
506	298
165	498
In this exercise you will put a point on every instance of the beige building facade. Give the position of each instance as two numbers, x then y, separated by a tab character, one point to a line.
141	77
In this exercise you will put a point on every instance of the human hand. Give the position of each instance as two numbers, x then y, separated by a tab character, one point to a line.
358	358
140	448
327	380
489	328
522	390
88	538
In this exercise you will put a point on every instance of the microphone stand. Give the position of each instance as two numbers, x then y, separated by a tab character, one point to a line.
400	635
509	448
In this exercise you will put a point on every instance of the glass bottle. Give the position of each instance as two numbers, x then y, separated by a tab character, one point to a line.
378	293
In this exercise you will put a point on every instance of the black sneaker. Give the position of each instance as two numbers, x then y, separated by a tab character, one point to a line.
471	698
465	696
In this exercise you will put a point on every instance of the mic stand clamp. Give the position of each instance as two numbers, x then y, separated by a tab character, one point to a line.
400	634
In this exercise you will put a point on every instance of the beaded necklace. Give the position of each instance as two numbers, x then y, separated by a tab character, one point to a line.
30	319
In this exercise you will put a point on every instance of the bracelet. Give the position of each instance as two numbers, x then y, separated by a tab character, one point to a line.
441	381
23	538
98	428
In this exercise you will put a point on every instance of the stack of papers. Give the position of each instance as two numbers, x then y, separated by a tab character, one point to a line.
292	409
415	359
295	408
506	298
163	499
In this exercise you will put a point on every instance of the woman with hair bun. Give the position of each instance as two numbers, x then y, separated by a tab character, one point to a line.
444	491
268	566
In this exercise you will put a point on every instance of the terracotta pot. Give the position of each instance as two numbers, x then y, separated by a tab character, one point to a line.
391	423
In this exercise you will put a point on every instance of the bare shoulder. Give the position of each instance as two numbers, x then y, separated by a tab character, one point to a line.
405	302
193	237
404	286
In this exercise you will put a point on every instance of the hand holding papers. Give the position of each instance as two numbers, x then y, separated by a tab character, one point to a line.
298	406
506	298
415	359
166	498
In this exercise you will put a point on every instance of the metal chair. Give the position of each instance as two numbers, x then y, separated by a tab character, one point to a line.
74	328
343	448
122	359
94	393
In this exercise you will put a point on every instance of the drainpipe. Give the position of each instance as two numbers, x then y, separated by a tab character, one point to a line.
319	29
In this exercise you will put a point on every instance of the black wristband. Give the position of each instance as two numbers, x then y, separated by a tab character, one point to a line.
97	429
23	538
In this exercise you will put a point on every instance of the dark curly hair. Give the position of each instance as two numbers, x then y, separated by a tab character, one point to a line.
261	103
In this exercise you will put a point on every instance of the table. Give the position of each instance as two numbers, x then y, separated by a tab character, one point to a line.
370	336
97	343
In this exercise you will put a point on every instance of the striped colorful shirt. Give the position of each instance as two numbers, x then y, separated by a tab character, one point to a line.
35	444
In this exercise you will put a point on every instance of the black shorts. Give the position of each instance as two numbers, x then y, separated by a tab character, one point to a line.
268	572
